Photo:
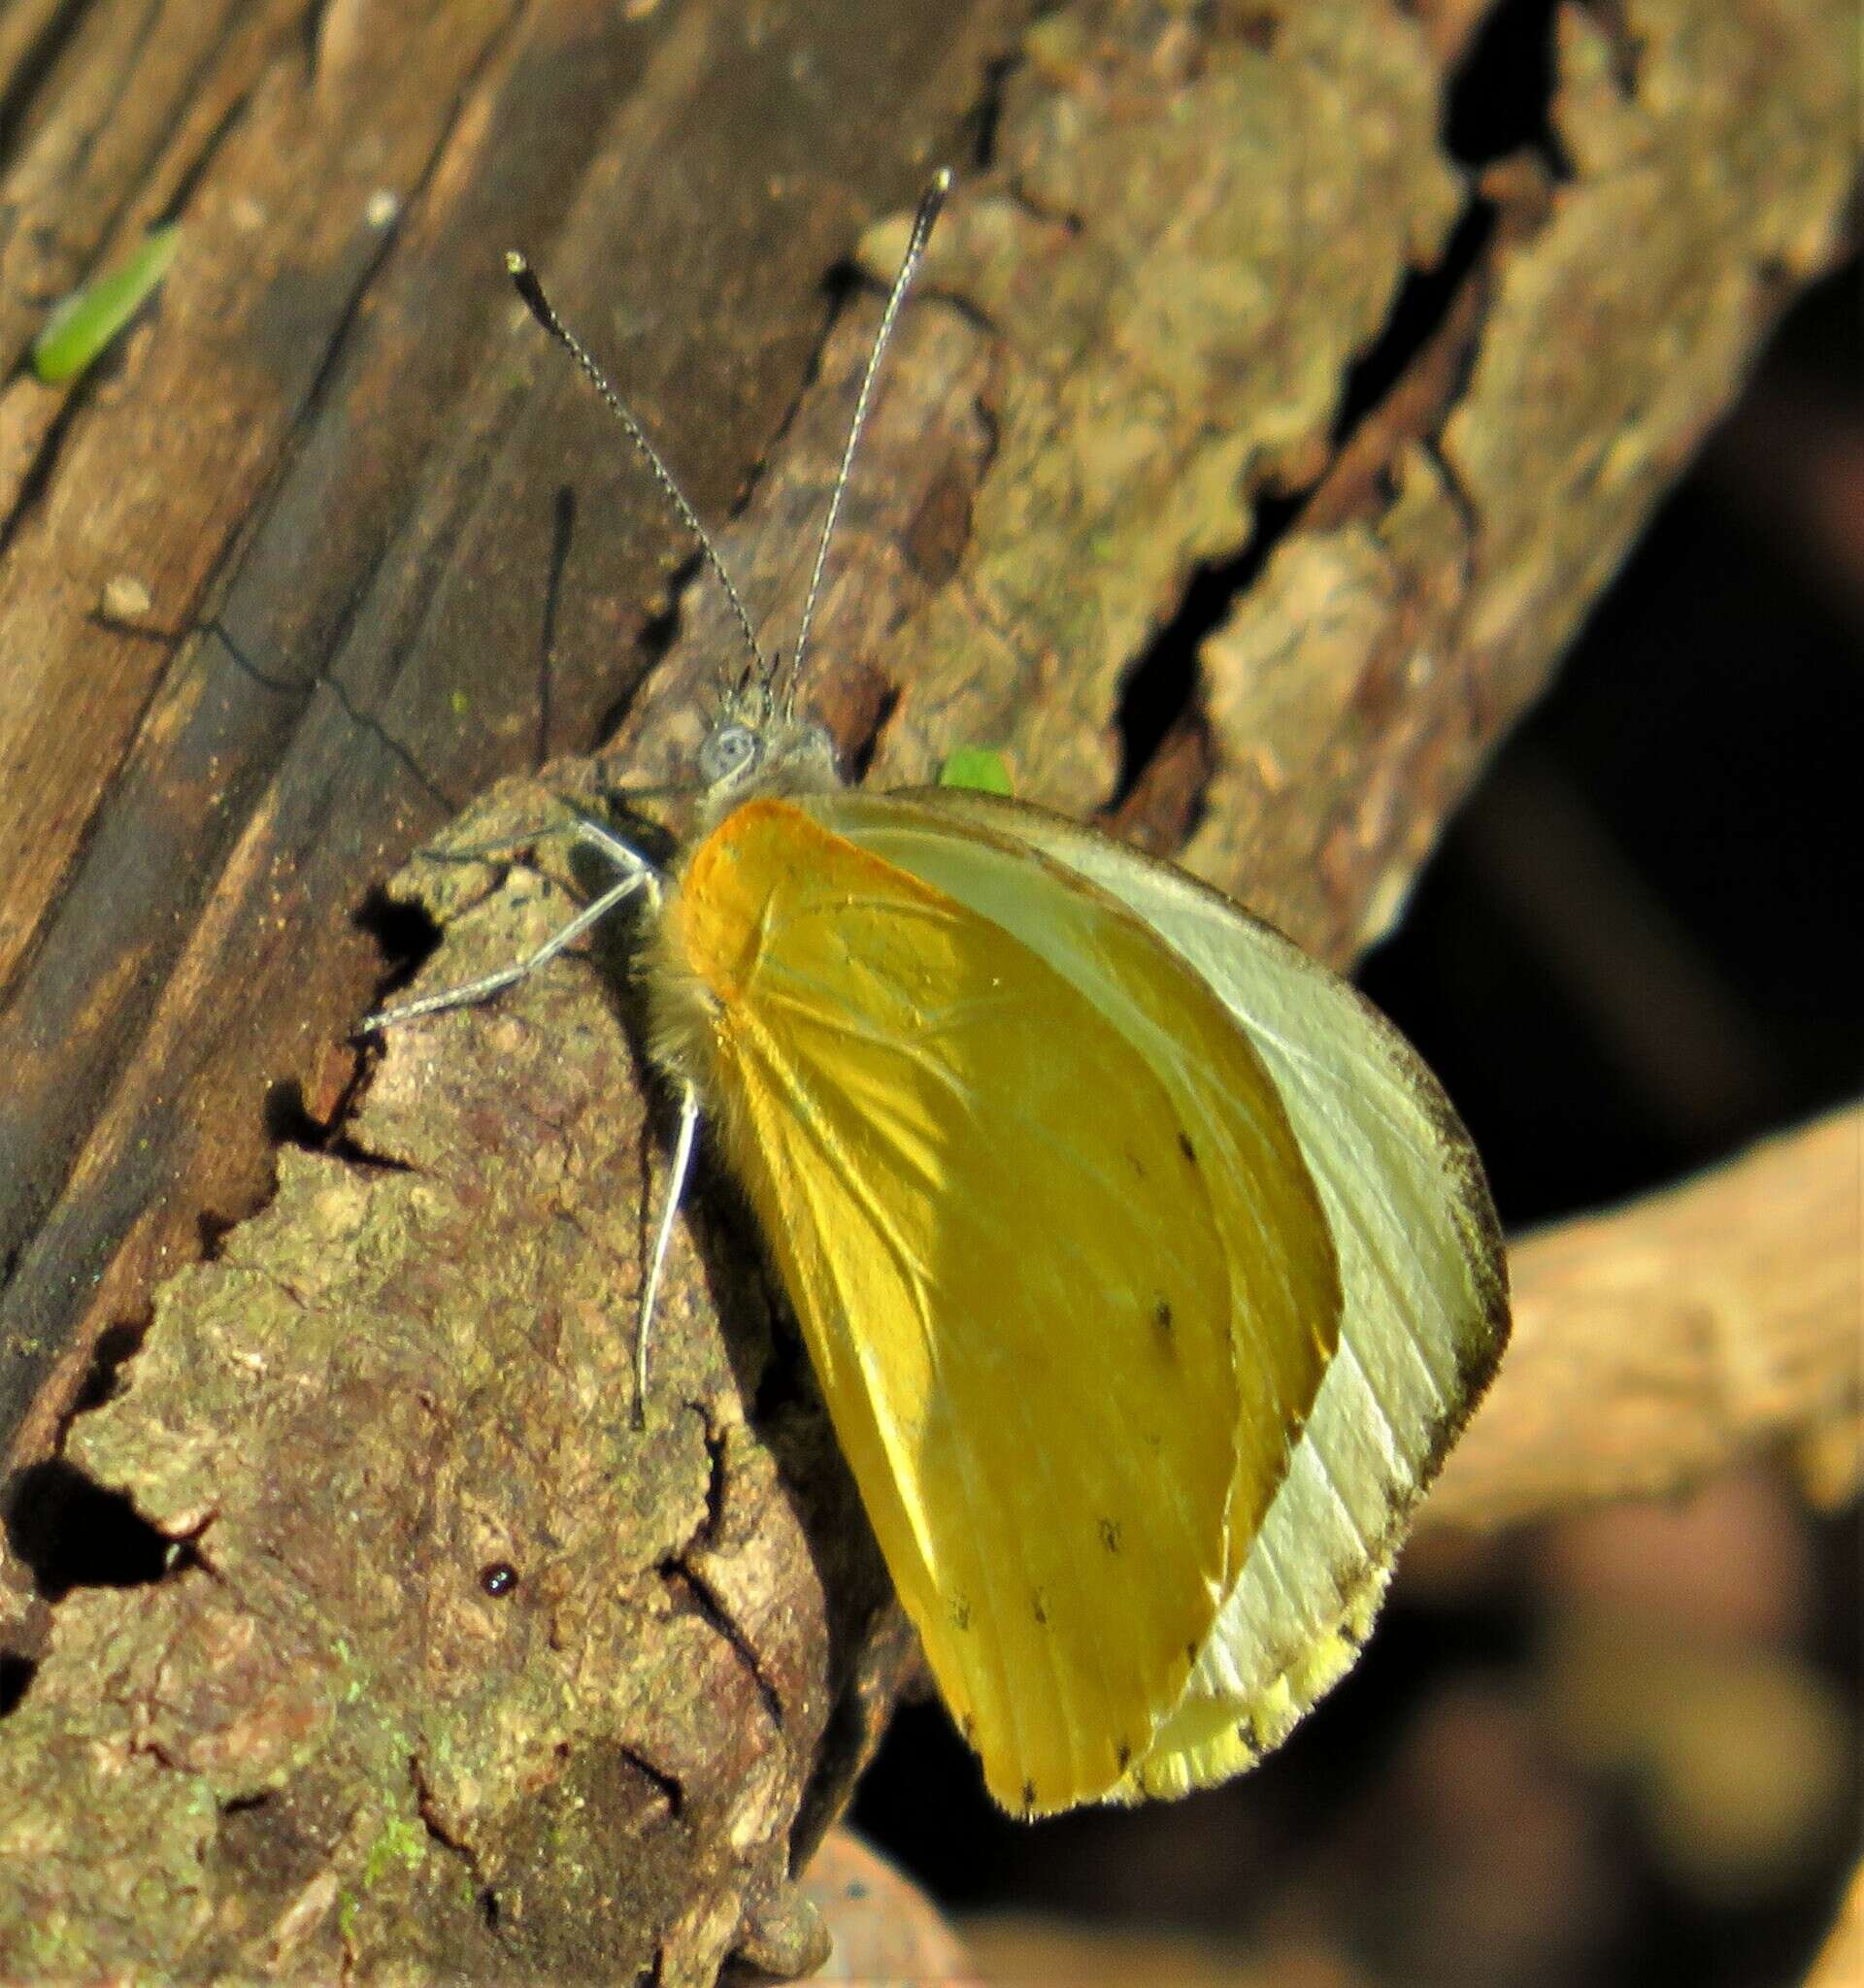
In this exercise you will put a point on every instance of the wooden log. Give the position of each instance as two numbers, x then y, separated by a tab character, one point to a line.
1659	1344
393	550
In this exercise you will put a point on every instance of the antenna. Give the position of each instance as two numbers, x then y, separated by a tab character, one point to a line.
762	667
538	305
930	202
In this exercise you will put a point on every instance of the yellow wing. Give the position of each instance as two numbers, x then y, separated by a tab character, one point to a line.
1422	1270
1026	1229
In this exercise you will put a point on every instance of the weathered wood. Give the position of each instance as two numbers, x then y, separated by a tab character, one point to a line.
336	459
1660	1343
321	462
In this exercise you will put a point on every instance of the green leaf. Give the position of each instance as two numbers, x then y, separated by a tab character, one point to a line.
78	330
980	768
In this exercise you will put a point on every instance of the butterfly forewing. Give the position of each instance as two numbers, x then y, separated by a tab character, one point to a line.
1010	1237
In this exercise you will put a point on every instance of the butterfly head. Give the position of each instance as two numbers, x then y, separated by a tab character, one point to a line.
758	746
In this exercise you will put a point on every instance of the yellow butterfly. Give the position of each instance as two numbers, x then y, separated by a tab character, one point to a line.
1145	1270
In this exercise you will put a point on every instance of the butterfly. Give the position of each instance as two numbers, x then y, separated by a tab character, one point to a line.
1145	1270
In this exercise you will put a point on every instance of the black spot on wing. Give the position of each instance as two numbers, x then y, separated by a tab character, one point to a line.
1110	1534
1028	1797
1125	1755
961	1613
1038	1609
1185	1147
1164	1324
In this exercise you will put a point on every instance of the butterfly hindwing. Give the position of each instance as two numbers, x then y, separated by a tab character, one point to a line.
1424	1279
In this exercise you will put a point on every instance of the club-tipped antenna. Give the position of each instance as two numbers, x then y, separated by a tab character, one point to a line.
538	305
930	202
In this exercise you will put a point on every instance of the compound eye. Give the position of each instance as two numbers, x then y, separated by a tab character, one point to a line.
729	753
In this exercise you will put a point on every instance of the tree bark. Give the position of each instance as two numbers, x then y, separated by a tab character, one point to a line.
1685	1334
392	550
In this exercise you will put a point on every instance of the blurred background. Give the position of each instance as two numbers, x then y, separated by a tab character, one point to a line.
1620	1749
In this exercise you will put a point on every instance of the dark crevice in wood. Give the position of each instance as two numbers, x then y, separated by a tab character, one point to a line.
485	1895
1158	699
562	538
290	1121
691	1589
1158	695
982	122
37	478
310	29
669	1787
35	66
405	935
1423	304
116	1346
197	168
714	1439
861	756
1499	98
17	1673
211	1229
71	1532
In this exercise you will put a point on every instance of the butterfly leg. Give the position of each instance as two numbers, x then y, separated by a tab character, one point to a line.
676	1177
591	833
585	829
641	876
498	844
